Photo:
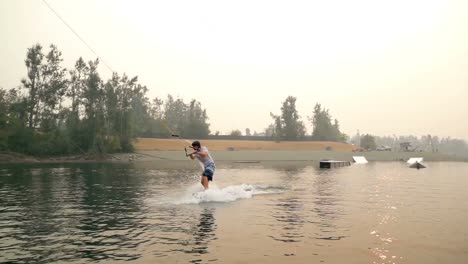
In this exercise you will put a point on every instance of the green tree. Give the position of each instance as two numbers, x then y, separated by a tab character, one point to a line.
75	130
323	128
4	112
4	108
197	126
126	93
14	134
155	126
288	125
93	109
113	113
293	128
76	84
175	115
139	115
368	142
189	121
156	109
60	115
54	84
235	133
277	128
270	130
34	57
127	111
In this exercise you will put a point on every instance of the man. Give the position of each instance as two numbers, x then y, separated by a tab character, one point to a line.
202	154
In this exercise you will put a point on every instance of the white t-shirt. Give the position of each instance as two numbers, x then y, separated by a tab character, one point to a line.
205	160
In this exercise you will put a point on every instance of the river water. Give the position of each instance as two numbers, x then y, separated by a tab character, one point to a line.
281	212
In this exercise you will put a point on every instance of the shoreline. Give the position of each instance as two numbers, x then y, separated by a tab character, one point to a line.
225	156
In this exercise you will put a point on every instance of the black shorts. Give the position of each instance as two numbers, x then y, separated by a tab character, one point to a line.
209	171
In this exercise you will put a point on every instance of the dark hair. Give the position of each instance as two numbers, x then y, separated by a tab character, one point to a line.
196	143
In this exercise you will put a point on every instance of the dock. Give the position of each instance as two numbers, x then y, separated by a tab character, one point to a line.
328	164
360	160
416	163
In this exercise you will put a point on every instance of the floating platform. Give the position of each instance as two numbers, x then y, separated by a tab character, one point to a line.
413	160
328	164
416	163
359	159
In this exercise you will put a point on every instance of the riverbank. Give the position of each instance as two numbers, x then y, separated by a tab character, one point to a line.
13	157
252	151
163	150
242	156
299	155
157	144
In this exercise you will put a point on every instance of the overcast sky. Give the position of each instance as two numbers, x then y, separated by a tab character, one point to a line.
383	67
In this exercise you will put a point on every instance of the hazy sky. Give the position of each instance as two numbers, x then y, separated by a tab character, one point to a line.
383	67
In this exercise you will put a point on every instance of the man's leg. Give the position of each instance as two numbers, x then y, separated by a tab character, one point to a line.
204	182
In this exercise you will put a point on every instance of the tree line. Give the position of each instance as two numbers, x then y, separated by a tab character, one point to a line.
289	126
57	111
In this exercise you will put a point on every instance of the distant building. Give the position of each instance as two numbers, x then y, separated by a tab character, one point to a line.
384	148
406	146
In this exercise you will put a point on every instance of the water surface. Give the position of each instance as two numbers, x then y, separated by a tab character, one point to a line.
381	212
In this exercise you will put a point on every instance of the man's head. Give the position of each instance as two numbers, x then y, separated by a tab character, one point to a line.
196	145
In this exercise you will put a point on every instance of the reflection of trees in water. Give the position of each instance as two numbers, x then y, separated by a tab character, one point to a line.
289	211
290	218
187	229
73	212
113	214
327	204
30	218
203	233
292	171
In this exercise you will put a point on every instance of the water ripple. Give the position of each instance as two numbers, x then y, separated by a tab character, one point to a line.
109	213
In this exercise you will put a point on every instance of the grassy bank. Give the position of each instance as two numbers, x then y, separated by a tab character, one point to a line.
246	150
299	155
164	150
155	144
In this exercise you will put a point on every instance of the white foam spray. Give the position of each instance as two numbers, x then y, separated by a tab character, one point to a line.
195	194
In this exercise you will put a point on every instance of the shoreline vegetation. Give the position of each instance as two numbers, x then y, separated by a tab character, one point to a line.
237	151
59	114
